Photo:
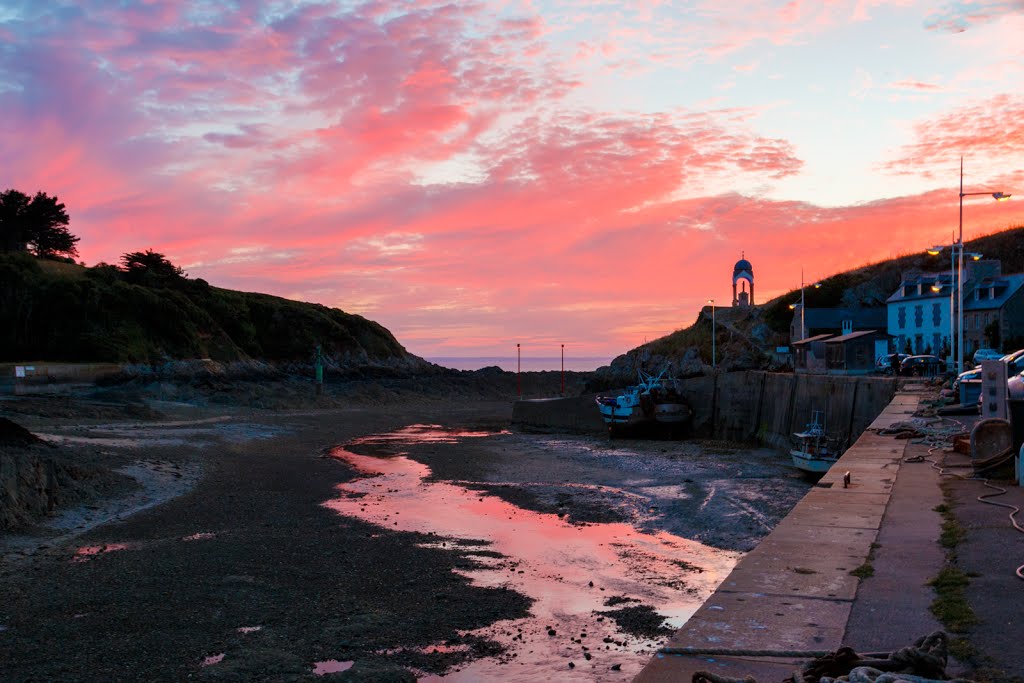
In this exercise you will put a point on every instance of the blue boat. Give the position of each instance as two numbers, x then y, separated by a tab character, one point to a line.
655	402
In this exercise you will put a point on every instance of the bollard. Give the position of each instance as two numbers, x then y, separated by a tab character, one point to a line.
846	480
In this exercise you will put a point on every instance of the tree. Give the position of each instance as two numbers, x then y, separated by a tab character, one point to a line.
13	211
38	225
992	334
150	268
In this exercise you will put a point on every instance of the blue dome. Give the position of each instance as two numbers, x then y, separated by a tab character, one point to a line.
743	264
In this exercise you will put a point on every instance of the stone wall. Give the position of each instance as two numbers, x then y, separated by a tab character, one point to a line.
750	406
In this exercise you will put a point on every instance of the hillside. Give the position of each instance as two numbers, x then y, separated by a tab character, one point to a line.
63	312
742	335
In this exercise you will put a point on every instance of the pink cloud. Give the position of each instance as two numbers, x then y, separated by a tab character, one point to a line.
291	156
959	16
992	130
914	85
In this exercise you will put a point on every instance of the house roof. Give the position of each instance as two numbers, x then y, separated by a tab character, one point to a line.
832	318
817	337
944	279
1005	287
856	335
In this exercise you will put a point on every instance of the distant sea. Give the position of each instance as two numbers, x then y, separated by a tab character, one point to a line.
528	363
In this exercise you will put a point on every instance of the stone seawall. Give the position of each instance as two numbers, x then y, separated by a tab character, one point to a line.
742	406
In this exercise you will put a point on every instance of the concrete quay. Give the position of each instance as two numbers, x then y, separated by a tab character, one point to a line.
795	593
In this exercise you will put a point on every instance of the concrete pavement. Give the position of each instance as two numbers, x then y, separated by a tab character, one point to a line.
795	592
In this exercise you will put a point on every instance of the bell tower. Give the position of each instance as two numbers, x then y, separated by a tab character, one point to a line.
743	274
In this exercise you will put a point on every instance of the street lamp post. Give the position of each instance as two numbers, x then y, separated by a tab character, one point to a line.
519	370
817	285
563	369
935	251
712	302
998	196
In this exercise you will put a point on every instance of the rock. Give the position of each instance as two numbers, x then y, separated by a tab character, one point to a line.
13	434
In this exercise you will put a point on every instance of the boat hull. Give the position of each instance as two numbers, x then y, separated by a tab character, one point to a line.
669	421
812	464
655	403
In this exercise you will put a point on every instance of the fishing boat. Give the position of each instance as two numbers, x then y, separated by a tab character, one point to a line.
654	402
814	452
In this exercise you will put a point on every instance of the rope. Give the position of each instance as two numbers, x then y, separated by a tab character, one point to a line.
733	652
936	438
922	662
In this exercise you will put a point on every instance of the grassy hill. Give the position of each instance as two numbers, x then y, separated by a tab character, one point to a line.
57	311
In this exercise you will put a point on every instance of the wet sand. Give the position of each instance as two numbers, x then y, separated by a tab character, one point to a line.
288	557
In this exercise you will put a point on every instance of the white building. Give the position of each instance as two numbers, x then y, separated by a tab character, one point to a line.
919	312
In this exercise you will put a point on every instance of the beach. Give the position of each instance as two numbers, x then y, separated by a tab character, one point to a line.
260	544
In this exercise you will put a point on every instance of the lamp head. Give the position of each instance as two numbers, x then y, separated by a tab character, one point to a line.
975	257
1001	196
817	285
793	306
934	251
936	287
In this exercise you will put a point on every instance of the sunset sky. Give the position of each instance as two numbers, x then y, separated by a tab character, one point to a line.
473	175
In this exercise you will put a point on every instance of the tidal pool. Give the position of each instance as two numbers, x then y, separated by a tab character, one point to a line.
572	572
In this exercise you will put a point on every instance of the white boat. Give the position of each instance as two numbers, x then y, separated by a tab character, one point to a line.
654	400
814	453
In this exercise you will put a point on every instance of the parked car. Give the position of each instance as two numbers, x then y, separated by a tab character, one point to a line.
919	366
1015	387
1014	362
883	364
986	354
1014	390
964	376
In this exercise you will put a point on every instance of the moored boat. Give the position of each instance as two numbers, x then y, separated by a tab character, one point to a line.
655	400
814	452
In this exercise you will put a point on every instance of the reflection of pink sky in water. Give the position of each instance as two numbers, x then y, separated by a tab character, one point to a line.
88	552
213	659
331	666
548	559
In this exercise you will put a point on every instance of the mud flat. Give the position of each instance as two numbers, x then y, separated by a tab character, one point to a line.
386	543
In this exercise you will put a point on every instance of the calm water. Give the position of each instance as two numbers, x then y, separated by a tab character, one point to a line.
529	364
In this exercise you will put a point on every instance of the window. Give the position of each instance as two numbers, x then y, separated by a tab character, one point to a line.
901	317
918	315
936	315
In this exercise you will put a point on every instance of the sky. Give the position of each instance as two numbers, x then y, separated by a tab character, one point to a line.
473	175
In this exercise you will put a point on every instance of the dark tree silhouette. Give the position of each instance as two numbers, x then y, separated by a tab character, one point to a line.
38	225
13	210
149	268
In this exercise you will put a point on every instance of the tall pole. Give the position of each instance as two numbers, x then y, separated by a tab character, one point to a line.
563	369
960	279
713	360
519	369
952	323
802	323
